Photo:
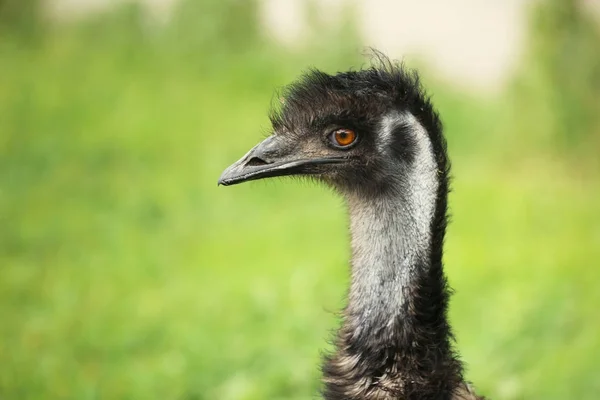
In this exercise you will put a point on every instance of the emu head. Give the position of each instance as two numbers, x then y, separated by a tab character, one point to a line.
360	132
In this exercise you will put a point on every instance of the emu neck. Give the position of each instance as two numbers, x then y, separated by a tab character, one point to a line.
392	238
391	244
395	341
392	264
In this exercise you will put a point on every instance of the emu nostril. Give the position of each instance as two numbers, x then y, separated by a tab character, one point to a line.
255	162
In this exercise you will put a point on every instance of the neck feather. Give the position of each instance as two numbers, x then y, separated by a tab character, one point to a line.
391	232
395	334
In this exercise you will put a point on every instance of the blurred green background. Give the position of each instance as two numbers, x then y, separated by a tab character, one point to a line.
125	272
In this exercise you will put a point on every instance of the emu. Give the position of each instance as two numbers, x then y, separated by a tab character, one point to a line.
374	136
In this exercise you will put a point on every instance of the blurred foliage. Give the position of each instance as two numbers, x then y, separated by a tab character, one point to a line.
22	17
560	86
217	26
126	273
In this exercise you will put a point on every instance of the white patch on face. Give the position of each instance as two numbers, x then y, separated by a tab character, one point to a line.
391	233
388	123
422	179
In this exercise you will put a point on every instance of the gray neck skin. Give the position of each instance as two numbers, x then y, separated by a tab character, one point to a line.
391	236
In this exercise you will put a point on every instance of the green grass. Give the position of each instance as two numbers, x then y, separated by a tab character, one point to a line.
125	272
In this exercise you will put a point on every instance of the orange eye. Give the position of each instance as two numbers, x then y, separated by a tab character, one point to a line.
344	137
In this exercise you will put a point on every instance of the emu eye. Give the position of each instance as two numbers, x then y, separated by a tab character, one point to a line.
342	137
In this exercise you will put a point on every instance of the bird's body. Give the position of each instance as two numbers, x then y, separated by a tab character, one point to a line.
374	136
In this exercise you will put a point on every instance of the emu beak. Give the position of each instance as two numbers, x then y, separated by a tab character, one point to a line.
274	156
